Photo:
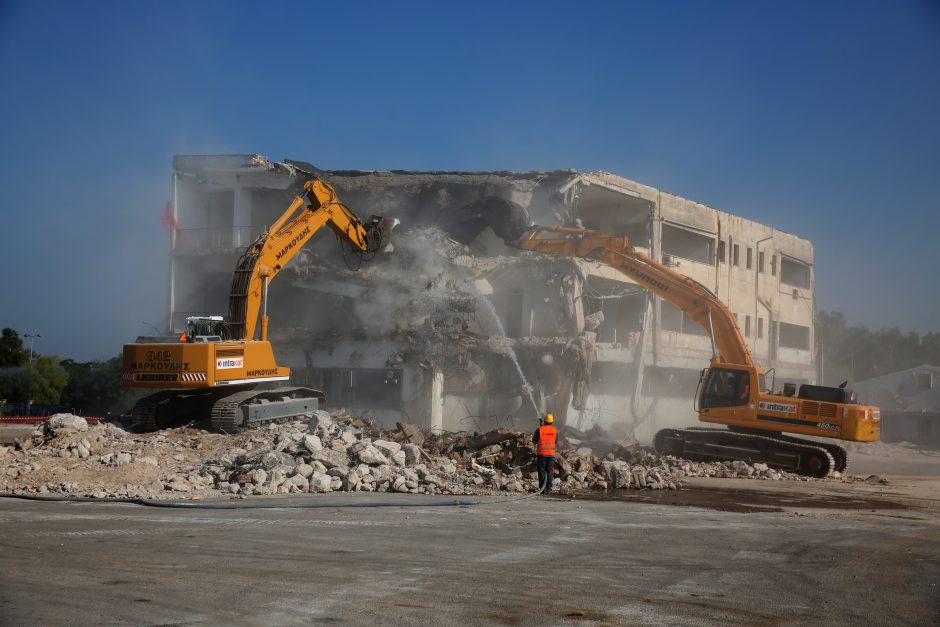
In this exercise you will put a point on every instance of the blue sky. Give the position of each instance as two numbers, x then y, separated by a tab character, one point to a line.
820	119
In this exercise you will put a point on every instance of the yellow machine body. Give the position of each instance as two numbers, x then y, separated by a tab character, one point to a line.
777	412
201	364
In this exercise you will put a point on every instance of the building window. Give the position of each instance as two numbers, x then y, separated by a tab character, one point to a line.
760	262
750	258
793	336
793	272
678	242
923	380
674	319
747	326
721	251
760	328
773	265
735	255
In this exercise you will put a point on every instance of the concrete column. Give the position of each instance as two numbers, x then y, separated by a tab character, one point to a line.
175	197
656	240
437	402
241	217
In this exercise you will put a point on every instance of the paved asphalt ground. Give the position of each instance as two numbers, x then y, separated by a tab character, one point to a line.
758	554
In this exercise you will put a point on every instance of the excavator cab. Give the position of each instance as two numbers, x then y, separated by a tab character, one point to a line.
726	387
205	328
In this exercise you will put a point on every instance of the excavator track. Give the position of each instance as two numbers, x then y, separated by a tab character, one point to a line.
275	405
143	415
780	452
839	455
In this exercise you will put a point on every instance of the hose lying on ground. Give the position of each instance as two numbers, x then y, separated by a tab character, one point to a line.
247	505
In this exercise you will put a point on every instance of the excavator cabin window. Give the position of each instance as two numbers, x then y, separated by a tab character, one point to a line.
726	388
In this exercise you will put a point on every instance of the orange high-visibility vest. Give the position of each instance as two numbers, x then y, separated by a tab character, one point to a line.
546	443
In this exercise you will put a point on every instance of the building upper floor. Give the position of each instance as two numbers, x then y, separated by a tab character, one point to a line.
764	275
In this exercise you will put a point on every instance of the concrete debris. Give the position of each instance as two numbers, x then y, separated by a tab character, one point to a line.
324	453
61	424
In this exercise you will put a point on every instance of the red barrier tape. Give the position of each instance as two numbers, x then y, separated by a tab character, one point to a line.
38	420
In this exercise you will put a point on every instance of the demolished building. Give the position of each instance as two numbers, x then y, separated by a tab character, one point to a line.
455	330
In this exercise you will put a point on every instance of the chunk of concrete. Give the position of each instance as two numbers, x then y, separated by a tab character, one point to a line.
330	458
372	456
411	432
618	473
320	423
412	454
312	443
321	483
388	448
65	423
304	470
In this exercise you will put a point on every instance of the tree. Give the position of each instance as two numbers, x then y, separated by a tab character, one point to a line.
11	349
16	384
41	382
49	380
95	387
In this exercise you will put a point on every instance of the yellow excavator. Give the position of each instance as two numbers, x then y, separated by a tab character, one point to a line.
211	370
733	389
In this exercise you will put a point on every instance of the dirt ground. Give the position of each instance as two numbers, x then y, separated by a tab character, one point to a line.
718	552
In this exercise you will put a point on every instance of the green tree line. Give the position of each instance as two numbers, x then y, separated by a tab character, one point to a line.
91	387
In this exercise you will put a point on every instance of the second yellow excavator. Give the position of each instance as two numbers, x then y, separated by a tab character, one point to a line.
211	370
733	389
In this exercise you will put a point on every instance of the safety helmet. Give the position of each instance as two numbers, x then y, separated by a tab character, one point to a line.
549	419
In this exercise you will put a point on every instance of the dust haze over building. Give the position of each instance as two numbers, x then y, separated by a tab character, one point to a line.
412	336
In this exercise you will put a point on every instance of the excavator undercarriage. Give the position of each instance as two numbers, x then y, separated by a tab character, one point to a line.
782	452
229	410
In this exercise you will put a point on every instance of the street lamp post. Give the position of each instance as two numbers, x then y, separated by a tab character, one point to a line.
31	336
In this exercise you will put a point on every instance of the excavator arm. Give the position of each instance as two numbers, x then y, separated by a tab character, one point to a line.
267	256
686	294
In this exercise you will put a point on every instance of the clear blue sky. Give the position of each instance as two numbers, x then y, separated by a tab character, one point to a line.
819	118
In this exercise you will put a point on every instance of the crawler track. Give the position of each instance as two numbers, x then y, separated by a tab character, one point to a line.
781	452
226	410
226	415
143	416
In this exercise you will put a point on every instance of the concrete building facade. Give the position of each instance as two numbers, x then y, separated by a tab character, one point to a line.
420	336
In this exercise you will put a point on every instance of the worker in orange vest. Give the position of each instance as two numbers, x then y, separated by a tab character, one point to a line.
544	438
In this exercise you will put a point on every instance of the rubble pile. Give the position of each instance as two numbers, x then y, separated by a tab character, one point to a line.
321	452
